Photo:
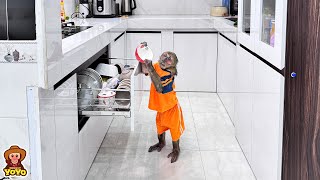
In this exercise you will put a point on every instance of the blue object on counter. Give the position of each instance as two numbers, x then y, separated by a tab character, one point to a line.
226	3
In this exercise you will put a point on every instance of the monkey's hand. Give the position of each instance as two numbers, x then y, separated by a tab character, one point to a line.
173	71
155	78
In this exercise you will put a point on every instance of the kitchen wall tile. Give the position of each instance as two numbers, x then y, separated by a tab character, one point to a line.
15	77
179	7
22	51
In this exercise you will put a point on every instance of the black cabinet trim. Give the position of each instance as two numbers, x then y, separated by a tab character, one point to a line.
119	36
142	32
227	39
263	60
82	66
195	32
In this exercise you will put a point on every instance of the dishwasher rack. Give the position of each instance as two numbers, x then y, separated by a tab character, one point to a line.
115	109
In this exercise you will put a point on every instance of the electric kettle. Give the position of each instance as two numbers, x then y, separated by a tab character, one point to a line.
127	6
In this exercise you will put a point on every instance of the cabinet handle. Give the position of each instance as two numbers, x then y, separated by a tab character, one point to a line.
293	74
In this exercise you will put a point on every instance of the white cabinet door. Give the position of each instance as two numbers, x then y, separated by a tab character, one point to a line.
154	42
197	54
117	49
243	100
266	131
66	125
226	67
90	139
258	114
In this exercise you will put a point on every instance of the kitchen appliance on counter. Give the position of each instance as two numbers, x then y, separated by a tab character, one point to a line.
69	29
104	8
219	11
127	6
84	9
232	6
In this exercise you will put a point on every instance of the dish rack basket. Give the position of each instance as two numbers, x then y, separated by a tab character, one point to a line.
118	107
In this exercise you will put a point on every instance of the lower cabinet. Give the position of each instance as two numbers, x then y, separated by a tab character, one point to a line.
197	54
226	73
66	130
90	139
259	115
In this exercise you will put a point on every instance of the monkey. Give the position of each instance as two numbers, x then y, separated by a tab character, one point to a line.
163	99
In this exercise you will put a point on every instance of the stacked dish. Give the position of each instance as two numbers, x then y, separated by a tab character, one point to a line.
89	83
124	86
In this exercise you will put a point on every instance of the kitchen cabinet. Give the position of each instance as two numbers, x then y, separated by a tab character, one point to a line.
117	49
66	125
90	139
226	73
134	38
262	28
267	122
197	54
258	114
243	100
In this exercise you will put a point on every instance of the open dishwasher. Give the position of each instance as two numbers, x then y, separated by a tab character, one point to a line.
102	96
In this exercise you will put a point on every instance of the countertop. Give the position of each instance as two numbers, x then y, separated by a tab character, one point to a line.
103	25
78	48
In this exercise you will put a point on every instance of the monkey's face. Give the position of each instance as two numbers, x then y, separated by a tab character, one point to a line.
167	61
14	157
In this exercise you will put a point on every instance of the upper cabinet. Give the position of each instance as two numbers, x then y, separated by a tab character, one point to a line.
262	28
246	23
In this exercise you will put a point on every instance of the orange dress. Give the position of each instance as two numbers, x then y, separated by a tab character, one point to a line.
169	112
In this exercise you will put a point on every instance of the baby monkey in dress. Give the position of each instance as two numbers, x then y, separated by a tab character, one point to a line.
163	99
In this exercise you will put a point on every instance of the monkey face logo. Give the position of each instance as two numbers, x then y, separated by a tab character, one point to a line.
14	156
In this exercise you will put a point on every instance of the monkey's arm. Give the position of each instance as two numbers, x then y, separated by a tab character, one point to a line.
155	78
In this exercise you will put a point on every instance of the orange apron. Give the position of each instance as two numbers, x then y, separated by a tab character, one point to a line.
169	114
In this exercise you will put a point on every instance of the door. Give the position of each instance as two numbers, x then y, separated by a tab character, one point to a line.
154	42
302	103
197	54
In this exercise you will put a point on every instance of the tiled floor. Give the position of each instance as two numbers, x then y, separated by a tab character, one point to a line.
209	149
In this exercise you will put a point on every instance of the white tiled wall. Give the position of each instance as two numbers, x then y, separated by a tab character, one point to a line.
175	6
165	7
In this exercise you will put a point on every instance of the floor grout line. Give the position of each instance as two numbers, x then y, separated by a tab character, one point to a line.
204	171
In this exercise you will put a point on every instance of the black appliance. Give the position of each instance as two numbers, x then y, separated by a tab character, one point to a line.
17	20
234	7
69	29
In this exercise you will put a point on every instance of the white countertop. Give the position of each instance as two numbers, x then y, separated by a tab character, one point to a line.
78	48
102	25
